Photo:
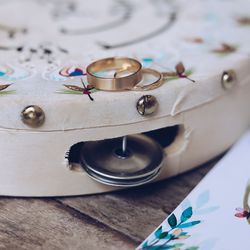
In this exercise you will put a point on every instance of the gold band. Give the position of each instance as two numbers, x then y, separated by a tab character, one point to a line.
157	83
118	66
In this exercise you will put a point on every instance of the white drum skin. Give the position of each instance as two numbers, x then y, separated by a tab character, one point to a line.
52	54
43	171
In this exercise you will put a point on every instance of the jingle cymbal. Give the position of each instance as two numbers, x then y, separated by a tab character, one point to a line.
122	183
106	162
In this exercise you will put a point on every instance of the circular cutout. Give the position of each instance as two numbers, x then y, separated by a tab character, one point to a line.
141	162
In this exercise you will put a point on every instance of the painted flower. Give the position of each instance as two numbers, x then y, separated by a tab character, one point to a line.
3	88
241	213
72	72
180	72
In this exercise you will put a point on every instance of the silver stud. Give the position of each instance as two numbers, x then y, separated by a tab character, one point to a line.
33	116
147	105
228	79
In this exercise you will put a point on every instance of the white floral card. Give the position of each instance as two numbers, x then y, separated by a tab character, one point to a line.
216	214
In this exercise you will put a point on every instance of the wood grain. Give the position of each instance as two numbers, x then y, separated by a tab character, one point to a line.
46	224
119	220
136	212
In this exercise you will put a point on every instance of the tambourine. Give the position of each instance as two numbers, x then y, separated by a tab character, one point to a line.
88	109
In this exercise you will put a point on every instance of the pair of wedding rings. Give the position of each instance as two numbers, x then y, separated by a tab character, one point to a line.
121	73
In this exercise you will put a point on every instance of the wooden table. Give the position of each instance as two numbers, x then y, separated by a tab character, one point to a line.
119	220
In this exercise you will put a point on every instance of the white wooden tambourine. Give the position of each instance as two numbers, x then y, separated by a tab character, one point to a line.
59	136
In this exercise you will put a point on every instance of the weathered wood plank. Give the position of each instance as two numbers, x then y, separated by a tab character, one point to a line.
47	224
107	221
136	212
127	217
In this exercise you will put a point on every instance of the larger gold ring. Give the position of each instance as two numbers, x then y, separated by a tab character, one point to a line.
126	73
152	85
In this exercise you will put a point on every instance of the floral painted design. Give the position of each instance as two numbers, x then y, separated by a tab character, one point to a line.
72	72
86	89
245	212
197	40
244	21
180	72
225	49
241	213
3	90
73	89
12	73
173	232
63	74
164	238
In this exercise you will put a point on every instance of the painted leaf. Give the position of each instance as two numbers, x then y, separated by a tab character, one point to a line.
245	20
184	233
8	92
151	247
68	92
4	86
145	244
159	247
183	237
192	248
185	204
189	224
158	232
74	87
225	49
177	245
202	199
206	210
163	235
172	221
164	247
186	214
197	40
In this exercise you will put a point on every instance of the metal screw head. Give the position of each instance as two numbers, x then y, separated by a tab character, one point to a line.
147	105
33	116
228	79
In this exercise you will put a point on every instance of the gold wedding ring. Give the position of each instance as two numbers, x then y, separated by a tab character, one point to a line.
153	85
114	73
121	73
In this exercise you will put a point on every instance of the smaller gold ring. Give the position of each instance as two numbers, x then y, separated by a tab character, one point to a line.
118	81
156	84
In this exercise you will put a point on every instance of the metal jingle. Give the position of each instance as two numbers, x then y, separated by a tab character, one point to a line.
33	116
147	105
228	79
122	183
103	159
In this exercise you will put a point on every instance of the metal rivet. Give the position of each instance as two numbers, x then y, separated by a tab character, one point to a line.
228	79
147	105
33	116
